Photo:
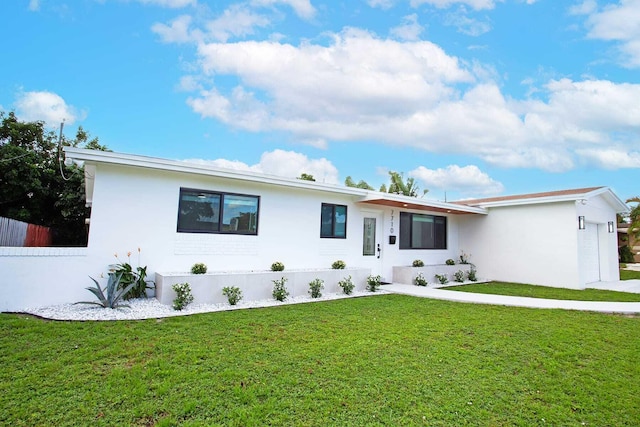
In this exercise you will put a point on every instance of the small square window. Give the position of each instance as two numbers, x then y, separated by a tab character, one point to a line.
333	221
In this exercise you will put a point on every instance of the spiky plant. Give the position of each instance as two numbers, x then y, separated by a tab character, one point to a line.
113	297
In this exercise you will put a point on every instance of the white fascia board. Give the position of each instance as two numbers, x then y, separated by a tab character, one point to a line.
108	157
605	191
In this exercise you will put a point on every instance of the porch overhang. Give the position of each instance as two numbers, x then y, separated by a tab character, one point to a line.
413	203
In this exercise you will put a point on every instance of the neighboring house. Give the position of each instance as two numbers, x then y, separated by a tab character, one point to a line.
627	239
180	213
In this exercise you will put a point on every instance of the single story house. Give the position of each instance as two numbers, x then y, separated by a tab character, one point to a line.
180	213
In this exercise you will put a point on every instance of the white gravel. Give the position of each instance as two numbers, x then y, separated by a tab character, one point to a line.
151	308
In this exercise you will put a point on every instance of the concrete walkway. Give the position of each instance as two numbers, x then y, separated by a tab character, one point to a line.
442	294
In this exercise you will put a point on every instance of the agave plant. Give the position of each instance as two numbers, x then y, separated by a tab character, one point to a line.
113	297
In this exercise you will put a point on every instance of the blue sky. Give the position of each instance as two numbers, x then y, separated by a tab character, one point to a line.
473	98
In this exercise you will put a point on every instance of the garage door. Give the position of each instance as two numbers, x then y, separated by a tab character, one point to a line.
590	254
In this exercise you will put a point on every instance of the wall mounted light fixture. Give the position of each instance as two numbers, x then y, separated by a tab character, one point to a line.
610	226
581	224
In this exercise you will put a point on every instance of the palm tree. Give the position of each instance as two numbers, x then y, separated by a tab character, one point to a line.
634	217
398	186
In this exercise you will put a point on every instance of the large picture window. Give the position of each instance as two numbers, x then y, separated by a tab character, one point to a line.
333	221
419	231
212	212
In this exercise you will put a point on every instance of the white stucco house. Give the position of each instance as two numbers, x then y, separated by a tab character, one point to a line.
180	213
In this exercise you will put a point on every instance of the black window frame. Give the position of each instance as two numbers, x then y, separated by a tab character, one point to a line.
332	234
440	231
220	213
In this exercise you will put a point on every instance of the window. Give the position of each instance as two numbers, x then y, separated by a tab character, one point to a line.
333	221
210	212
422	231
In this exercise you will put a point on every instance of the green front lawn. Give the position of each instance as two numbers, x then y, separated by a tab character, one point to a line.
384	360
533	291
629	274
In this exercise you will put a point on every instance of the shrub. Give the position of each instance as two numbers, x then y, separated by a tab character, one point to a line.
373	283
315	288
442	278
418	263
183	295
459	276
420	280
472	275
280	292
450	262
338	265
464	258
137	277
626	256
114	295
347	285
233	294
199	268
277	266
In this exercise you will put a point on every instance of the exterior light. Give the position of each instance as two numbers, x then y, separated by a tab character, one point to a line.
581	225
610	226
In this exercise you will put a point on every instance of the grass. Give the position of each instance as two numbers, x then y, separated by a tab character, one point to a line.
629	275
383	360
533	291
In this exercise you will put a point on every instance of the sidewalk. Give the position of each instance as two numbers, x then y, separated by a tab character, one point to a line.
598	306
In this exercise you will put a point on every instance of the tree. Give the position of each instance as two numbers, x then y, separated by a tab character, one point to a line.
398	186
35	186
349	182
634	217
306	177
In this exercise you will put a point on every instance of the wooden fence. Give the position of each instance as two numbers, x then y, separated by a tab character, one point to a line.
18	233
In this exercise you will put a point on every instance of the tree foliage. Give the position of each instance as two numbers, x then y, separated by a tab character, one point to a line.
399	186
634	217
306	177
349	182
35	185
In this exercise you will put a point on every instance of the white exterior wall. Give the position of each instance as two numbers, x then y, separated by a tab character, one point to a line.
535	244
137	208
540	244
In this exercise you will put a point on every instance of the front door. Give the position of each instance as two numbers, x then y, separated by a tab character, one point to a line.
372	242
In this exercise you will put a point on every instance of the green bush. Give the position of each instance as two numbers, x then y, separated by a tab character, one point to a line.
347	285
418	263
442	278
315	288
280	292
277	266
626	256
450	262
137	277
338	265
472	275
183	295
199	268
459	276
420	280
233	294
373	283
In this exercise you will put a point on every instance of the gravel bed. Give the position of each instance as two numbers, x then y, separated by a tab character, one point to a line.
151	308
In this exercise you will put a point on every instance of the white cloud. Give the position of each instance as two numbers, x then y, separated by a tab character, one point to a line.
443	4
176	32
410	29
34	5
174	4
382	4
236	21
612	158
619	23
288	164
468	180
465	24
303	8
46	106
359	87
